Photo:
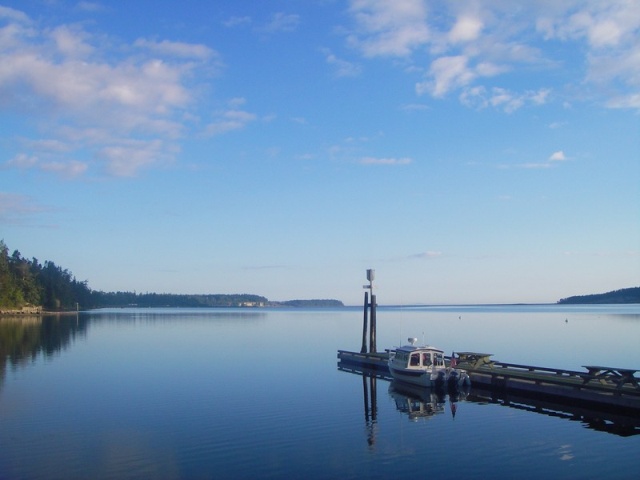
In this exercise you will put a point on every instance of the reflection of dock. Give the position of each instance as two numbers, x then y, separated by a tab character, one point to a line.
595	419
376	362
601	417
598	387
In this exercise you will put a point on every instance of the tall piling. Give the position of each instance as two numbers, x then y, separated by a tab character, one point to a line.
372	333
369	316
364	323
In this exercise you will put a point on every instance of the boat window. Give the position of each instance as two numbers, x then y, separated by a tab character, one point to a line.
402	357
426	359
415	359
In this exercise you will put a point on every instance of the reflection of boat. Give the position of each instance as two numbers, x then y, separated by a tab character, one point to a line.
425	366
425	405
419	402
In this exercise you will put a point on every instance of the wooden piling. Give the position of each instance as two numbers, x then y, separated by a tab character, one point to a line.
364	323
372	333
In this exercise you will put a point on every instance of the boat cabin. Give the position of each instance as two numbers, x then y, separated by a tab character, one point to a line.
419	357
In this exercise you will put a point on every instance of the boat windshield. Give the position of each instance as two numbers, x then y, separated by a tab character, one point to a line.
402	357
438	359
415	360
420	359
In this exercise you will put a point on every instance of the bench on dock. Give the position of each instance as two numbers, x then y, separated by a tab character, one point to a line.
475	359
560	372
604	375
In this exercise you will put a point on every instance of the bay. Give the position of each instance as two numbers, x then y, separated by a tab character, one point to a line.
237	393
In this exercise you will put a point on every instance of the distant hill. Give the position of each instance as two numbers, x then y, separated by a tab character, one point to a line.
625	295
313	303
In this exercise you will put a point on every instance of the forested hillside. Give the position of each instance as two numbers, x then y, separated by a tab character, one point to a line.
26	282
625	295
29	283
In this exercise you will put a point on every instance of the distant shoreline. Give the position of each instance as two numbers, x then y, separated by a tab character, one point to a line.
38	311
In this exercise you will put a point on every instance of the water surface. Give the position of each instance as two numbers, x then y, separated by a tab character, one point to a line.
235	393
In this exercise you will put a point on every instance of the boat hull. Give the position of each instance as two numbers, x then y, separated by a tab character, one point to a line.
439	378
425	366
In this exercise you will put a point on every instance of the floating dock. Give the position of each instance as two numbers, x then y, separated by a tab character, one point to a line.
615	389
597	386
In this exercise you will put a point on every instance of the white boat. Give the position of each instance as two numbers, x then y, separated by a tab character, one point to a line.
425	366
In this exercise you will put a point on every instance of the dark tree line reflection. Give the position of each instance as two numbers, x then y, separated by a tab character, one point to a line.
24	338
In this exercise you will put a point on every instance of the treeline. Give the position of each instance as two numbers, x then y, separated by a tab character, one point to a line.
29	283
26	282
625	295
146	300
312	303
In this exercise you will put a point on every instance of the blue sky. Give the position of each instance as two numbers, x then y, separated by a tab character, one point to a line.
469	152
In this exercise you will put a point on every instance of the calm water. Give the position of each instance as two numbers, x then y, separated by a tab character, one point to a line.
257	393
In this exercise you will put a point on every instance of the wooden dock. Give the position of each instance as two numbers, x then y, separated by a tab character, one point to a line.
604	387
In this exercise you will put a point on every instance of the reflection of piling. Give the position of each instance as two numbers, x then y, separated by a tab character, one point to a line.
370	392
369	316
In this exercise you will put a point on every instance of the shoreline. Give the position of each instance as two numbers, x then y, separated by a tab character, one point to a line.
31	311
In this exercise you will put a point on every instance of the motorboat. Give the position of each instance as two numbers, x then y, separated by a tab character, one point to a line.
425	366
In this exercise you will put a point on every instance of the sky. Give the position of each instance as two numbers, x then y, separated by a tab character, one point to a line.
482	151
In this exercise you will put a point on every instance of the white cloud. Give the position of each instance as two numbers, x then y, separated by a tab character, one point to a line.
236	21
15	208
463	44
71	42
445	74
13	15
385	161
533	165
282	22
426	255
90	7
127	157
558	156
237	102
414	107
64	168
342	68
625	101
554	159
230	120
96	98
509	102
177	49
603	23
467	28
385	28
22	161
67	169
610	29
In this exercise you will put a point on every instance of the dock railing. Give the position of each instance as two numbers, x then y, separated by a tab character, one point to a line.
598	377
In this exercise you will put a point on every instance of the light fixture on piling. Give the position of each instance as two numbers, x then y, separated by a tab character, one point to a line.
371	275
